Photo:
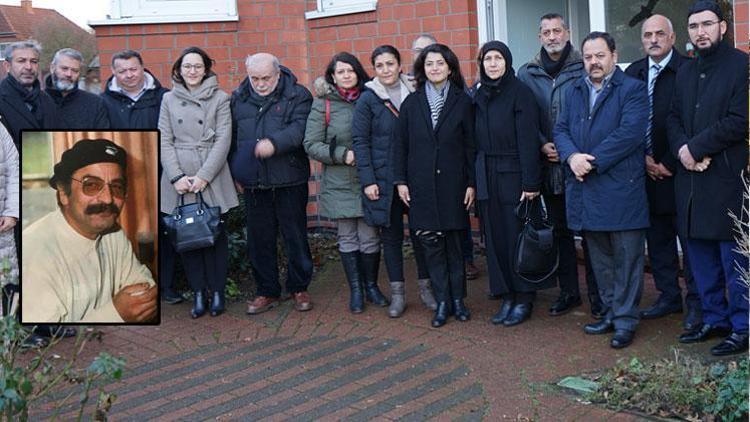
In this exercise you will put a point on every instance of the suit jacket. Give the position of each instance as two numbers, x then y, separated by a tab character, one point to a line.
16	116
660	192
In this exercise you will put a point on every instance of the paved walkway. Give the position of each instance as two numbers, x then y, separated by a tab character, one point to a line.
328	364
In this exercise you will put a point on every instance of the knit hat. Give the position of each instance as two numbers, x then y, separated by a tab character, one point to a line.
703	5
86	152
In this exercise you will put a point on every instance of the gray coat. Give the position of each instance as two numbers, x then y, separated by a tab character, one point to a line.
9	204
340	190
196	133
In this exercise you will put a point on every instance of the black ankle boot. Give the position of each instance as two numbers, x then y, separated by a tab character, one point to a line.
518	314
370	267
441	314
460	310
199	304
350	261
217	304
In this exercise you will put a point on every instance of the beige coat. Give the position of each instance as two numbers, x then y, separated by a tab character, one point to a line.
196	133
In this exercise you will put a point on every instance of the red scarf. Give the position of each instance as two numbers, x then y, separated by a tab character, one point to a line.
350	95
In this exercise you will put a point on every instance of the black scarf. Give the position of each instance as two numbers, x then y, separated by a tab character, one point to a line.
495	86
554	67
31	98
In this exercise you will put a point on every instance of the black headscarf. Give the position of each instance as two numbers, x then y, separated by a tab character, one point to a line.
496	85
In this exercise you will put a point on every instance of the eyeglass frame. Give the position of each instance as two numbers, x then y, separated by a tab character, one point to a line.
109	184
705	25
187	67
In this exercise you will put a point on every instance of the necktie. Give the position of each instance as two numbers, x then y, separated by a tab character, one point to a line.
649	143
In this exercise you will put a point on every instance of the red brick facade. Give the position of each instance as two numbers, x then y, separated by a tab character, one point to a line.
741	17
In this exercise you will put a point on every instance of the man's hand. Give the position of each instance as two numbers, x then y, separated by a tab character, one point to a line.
239	187
703	165
7	223
528	195
183	185
372	192
136	302
686	158
264	148
469	198
550	152
403	193
349	158
197	184
580	164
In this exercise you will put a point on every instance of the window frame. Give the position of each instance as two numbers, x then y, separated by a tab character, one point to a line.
329	8
126	12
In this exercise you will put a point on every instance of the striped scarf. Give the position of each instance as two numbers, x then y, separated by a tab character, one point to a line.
436	100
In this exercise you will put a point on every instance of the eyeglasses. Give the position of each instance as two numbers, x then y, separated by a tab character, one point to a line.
92	186
707	25
198	67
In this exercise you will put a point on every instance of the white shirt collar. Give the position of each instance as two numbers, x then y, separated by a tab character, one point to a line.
663	63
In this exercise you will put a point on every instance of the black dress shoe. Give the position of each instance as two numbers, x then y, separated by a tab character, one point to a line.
564	304
598	310
662	307
441	314
622	338
170	297
693	317
199	304
460	310
500	316
703	333
217	304
518	314
735	343
602	327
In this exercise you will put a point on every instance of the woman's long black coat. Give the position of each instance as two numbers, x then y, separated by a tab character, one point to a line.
508	162
437	164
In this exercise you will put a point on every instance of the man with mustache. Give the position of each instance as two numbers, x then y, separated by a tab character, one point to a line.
707	130
23	105
599	135
77	264
658	70
77	108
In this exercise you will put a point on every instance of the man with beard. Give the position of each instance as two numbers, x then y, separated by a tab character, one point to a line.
658	70
23	104
77	264
550	75
707	131
77	108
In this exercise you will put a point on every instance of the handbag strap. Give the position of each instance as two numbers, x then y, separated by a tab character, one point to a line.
539	280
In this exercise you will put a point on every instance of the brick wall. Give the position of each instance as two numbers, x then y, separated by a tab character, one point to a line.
741	24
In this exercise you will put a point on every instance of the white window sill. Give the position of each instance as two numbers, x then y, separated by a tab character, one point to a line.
165	19
317	14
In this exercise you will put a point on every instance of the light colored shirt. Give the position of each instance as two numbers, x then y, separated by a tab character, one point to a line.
70	278
594	91
148	83
652	73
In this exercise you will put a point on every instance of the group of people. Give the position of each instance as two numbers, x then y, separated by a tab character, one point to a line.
647	156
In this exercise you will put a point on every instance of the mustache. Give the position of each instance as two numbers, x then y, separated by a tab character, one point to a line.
100	208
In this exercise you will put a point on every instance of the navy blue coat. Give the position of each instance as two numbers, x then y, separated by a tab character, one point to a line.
709	114
16	116
436	164
78	109
612	197
125	113
373	130
660	193
283	121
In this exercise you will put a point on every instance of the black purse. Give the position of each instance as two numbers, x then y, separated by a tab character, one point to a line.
537	254
193	226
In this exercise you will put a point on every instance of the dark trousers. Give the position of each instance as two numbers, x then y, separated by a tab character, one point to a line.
207	268
617	260
167	258
467	241
567	269
445	263
269	211
661	238
723	293
393	241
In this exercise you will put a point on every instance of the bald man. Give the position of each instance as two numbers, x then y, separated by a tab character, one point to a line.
268	163
658	70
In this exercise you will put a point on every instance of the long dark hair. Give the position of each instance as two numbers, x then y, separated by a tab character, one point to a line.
207	64
455	76
349	59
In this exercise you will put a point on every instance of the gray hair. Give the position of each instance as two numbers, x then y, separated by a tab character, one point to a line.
428	36
550	16
69	52
254	59
21	45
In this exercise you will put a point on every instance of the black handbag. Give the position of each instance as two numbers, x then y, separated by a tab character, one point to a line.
193	226
537	254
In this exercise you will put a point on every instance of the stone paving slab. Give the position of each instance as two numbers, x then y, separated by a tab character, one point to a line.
328	364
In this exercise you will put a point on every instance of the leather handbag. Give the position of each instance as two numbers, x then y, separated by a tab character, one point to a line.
537	254
193	226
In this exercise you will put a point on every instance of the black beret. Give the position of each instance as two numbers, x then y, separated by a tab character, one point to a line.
703	5
86	152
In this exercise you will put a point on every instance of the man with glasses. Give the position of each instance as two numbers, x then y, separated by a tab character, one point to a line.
77	264
707	131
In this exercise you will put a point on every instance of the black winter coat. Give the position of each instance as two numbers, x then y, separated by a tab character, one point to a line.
16	115
78	109
660	192
709	114
125	113
436	164
282	121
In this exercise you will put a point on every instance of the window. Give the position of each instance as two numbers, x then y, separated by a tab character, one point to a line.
328	8
170	11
